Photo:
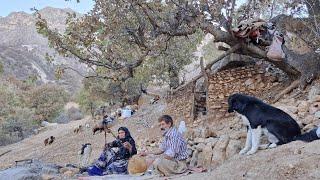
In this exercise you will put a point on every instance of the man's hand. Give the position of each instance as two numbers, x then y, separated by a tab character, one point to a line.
168	157
143	153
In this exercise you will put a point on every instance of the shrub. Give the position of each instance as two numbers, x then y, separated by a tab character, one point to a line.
18	125
74	114
62	118
47	100
87	103
22	106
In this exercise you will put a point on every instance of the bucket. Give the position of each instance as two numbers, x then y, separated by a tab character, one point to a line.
125	113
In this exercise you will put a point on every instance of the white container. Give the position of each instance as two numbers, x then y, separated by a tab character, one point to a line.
182	127
125	113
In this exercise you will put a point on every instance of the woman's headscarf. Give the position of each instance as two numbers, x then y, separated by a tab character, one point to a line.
127	134
123	152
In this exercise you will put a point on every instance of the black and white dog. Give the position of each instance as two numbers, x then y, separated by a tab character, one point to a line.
278	126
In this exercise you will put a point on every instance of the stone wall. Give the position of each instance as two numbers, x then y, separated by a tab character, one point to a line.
179	104
250	80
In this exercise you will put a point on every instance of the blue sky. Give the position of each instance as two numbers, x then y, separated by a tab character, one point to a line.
8	6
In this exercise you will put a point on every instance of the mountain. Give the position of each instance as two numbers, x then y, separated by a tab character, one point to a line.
23	50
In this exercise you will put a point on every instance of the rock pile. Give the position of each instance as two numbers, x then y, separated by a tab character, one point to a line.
209	150
305	112
34	169
210	144
251	80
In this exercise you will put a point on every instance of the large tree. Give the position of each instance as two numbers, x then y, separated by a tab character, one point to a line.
120	35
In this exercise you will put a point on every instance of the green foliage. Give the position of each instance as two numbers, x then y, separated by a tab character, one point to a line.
87	101
210	51
1	68
23	105
117	38
121	35
47	100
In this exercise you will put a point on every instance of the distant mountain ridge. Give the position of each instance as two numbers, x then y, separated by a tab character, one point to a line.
22	49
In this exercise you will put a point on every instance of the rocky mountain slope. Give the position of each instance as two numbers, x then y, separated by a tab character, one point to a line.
23	50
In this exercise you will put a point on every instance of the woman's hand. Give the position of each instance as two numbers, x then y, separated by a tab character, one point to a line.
107	146
107	130
127	146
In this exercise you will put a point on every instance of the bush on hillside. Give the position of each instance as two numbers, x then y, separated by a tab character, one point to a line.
74	114
62	118
47	100
87	103
23	106
18	125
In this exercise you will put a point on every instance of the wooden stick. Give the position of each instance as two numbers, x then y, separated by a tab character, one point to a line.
181	87
5	152
231	50
113	134
204	73
292	86
105	137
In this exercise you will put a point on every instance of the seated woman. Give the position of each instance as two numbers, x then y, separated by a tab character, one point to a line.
112	161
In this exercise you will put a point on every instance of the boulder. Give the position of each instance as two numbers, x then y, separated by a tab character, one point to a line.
233	148
190	142
314	93
314	108
249	82
48	177
219	151
62	118
20	173
288	109
211	142
303	106
199	140
33	170
211	139
209	132
200	147
74	113
316	98
194	159
204	157
47	124
69	173
308	119
317	114
66	169
308	127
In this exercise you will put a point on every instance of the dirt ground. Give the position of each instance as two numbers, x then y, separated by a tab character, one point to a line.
296	160
64	150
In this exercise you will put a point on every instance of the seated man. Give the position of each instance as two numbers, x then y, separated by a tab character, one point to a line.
173	150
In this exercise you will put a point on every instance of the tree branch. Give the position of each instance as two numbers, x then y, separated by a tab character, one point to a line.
231	50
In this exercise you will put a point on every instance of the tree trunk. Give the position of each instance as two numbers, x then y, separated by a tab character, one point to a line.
173	77
313	7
